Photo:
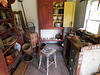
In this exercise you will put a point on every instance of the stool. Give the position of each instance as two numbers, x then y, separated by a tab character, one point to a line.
48	52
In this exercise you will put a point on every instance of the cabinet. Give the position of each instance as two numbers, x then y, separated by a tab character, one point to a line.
49	13
69	13
44	13
7	21
55	14
78	56
71	55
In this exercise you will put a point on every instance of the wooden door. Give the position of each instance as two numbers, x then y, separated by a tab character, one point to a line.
44	13
69	13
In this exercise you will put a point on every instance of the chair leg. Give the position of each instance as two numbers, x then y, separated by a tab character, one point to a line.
47	65
40	61
55	60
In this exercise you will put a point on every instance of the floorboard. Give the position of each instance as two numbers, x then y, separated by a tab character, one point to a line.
61	67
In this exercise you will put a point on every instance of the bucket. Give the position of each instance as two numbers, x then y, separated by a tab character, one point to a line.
27	48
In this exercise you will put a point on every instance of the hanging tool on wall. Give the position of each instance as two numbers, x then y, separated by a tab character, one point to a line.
23	13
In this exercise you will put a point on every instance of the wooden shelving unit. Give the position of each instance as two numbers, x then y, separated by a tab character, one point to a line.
11	65
8	48
51	40
7	30
5	8
49	22
58	14
57	21
58	7
6	34
6	19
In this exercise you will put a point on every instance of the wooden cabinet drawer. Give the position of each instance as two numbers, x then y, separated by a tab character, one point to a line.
72	61
70	69
73	52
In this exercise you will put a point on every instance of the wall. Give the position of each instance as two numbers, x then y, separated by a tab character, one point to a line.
15	6
30	7
79	14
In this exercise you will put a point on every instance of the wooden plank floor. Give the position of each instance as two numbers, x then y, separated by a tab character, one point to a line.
60	70
21	68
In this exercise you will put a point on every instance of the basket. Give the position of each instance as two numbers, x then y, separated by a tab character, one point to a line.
9	41
27	48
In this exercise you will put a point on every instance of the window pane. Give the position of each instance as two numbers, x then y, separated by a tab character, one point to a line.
92	26
94	5
95	15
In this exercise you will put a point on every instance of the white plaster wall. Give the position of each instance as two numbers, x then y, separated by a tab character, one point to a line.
15	6
30	7
49	33
79	14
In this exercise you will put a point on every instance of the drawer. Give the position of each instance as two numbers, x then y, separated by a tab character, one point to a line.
73	52
72	61
71	70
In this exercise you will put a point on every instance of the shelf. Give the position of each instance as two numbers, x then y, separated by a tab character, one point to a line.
58	14
58	28
51	40
4	8
6	19
57	21
7	30
14	61
11	45
58	7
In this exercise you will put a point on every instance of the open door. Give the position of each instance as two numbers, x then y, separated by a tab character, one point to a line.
69	13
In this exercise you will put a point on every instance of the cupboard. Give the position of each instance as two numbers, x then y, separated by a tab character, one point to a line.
55	14
69	11
7	21
44	15
80	57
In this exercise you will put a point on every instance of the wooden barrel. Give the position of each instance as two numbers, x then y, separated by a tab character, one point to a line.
27	48
34	39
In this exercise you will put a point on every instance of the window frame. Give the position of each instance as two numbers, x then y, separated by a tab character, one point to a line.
88	16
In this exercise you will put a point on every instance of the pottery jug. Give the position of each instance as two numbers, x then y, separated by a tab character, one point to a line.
17	46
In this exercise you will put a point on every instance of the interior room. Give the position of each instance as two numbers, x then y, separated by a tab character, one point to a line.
49	37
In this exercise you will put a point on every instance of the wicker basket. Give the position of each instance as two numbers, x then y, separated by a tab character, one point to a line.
9	41
27	48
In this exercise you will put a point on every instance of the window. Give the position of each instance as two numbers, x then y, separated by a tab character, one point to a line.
92	17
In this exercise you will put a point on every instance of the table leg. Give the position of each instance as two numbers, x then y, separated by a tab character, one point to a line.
47	65
40	61
55	60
